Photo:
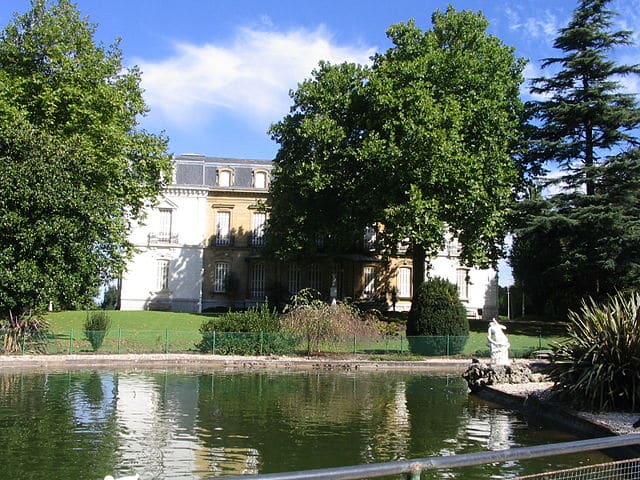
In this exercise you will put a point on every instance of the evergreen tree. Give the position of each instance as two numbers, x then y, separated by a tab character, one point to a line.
581	241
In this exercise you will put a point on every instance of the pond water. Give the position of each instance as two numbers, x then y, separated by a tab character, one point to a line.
184	425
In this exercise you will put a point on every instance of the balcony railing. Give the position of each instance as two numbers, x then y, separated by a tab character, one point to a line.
257	240
222	241
163	238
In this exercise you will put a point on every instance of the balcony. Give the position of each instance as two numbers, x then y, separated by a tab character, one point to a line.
162	238
256	240
227	240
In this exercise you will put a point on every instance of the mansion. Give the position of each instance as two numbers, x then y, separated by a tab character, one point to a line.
200	249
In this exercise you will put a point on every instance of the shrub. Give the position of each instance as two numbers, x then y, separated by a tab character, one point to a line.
598	366
27	332
315	321
96	326
255	331
438	313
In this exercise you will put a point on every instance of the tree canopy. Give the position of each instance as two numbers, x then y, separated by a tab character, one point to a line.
418	145
583	239
76	169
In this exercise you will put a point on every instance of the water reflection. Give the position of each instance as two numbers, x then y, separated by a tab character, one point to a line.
170	425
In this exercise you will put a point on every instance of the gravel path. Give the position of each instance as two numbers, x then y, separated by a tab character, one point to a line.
616	422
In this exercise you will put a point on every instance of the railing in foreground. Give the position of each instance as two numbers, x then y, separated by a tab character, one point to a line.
412	468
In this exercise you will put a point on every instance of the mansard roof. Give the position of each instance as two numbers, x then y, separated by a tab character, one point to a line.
200	170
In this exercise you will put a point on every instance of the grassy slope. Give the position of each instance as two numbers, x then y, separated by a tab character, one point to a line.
157	331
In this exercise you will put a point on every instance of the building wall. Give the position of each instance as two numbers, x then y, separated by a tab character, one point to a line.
181	248
205	186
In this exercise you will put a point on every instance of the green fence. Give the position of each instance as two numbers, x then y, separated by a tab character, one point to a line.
260	343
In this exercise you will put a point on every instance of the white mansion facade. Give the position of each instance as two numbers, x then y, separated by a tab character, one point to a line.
199	249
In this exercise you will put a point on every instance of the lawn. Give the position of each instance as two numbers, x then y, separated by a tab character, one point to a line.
149	331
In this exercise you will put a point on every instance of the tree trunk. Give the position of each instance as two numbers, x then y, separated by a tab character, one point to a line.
419	257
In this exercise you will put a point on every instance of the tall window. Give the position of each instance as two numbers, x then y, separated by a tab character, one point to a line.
462	281
220	272
257	281
294	279
162	274
164	235
403	281
369	281
223	228
224	178
257	228
260	179
315	278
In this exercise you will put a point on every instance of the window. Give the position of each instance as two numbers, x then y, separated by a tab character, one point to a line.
257	281
220	272
260	179
164	235
462	281
257	228
162	274
403	281
223	228
369	281
224	178
294	279
315	278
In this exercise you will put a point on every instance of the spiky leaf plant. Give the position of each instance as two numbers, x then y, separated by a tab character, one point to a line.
598	367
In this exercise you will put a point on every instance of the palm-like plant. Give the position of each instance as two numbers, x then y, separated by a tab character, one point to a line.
598	366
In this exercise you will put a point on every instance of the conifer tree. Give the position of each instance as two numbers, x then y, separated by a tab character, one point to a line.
585	127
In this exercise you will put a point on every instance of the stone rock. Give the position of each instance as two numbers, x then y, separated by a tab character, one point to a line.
480	375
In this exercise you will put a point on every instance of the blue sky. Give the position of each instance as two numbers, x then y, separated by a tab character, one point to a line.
217	73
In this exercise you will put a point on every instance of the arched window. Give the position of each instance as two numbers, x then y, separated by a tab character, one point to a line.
225	178
260	179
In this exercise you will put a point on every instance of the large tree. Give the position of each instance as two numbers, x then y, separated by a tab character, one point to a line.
583	239
75	168
417	145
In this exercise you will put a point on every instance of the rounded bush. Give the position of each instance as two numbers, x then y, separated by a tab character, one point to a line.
598	366
437	323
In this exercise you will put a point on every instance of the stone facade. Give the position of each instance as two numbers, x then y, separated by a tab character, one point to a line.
200	249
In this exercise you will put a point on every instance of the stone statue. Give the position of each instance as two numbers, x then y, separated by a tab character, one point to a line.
333	291
498	344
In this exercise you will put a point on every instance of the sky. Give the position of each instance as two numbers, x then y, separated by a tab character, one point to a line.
217	73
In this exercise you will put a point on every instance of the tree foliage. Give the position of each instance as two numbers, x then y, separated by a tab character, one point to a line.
76	169
583	240
417	145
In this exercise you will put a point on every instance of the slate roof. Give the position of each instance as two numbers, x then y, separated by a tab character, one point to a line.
200	170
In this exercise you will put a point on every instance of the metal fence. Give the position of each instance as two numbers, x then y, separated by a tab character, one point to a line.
412	469
263	343
624	469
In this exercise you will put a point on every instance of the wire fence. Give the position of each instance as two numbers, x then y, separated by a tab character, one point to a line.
122	341
623	469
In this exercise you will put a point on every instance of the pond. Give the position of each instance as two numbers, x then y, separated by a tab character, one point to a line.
184	425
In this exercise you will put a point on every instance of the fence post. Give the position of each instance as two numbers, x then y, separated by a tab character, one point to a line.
70	341
448	345
213	343
166	340
119	338
23	341
354	344
261	340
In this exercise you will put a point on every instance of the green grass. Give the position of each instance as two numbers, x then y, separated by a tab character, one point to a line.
149	331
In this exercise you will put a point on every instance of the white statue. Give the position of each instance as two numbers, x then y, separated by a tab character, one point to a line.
333	290
498	344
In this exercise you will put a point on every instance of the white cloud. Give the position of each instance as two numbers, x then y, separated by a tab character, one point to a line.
250	77
543	26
